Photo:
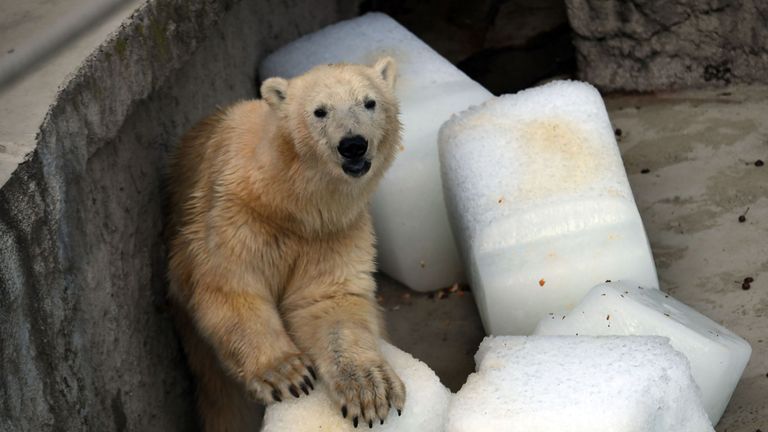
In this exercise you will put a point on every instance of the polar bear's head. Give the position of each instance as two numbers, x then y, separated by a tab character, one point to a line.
343	116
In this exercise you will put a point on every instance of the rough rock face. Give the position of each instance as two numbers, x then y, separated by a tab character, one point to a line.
649	45
86	340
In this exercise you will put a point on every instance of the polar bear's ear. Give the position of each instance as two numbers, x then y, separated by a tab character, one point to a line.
274	91
386	67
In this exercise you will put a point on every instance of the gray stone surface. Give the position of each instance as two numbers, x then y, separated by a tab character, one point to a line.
517	22
86	340
648	45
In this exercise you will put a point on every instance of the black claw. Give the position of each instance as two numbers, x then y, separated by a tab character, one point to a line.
382	421
312	372
370	424
354	421
308	382
344	411
276	396
304	389
294	391
399	412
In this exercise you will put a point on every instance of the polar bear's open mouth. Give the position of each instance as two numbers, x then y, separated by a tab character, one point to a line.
356	167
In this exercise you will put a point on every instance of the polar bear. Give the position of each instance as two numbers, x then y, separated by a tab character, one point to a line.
272	248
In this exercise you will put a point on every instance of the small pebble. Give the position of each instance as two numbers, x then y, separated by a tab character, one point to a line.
743	217
645	171
759	163
618	132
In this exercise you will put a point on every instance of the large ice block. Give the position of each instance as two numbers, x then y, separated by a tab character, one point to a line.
415	243
540	203
578	384
425	410
717	355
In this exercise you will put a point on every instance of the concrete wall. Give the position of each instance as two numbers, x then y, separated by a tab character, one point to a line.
86	340
667	44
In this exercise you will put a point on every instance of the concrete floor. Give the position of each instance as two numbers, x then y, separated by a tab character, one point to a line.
700	149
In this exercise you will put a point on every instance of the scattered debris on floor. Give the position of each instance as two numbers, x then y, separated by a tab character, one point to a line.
743	217
747	284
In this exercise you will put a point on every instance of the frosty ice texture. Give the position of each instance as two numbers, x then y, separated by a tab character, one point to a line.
717	356
540	203
578	384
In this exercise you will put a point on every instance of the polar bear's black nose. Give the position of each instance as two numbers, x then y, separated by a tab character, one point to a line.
353	147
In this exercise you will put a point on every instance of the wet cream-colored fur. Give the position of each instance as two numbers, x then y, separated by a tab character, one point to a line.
272	249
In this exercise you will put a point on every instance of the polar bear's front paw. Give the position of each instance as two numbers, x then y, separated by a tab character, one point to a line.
290	375
366	392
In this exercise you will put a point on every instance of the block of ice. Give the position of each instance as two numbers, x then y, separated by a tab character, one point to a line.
540	203
415	243
578	384
717	355
425	410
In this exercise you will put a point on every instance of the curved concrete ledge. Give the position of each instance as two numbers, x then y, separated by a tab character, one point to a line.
86	341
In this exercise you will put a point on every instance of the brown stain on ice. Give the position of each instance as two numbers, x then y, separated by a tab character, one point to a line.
564	157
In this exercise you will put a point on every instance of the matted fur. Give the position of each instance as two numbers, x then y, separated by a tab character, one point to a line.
272	248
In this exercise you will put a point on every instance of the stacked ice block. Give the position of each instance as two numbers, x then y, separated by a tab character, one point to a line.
578	384
415	242
540	203
425	408
717	355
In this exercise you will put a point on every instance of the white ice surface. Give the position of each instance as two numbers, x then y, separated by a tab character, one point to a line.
425	407
540	203
578	384
414	239
717	356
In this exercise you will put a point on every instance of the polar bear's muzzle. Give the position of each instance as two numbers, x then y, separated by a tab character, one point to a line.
353	149
356	167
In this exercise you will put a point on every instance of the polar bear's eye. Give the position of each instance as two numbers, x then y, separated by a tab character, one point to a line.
370	104
320	113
